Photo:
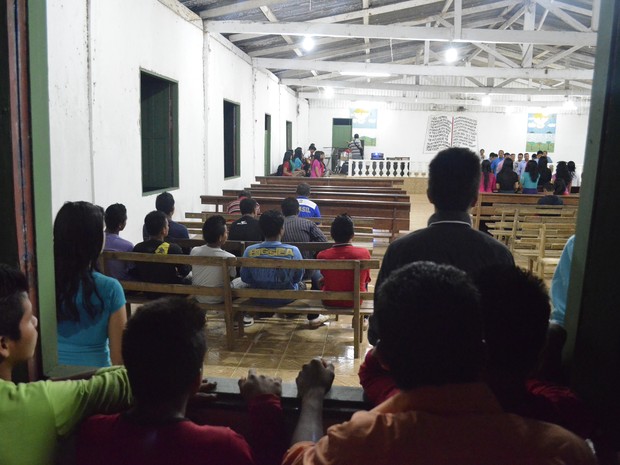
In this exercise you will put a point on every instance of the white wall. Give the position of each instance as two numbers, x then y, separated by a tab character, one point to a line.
402	133
96	51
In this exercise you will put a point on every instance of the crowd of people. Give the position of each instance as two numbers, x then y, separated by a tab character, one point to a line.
296	163
454	376
510	173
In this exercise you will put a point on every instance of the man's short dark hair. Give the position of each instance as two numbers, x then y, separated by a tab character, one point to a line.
290	206
453	179
430	326
540	152
164	345
247	206
115	216
342	229
303	189
493	155
164	202
549	187
213	229
13	284
244	193
515	329
271	223
155	222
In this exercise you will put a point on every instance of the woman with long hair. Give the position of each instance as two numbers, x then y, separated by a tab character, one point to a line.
287	166
575	178
487	178
507	179
529	178
90	307
317	170
297	161
544	171
561	172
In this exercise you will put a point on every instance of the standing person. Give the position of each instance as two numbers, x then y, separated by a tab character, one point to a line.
317	169
575	178
156	224
432	342
165	204
234	207
561	172
507	179
90	307
487	179
545	173
297	162
36	415
453	182
246	228
311	150
529	178
522	164
356	148
163	378
342	231
496	164
307	208
516	163
482	154
115	222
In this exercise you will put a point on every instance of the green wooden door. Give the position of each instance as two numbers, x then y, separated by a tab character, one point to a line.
267	145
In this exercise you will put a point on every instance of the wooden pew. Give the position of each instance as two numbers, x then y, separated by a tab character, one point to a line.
283	192
327	220
317	188
487	203
237	301
332	181
393	216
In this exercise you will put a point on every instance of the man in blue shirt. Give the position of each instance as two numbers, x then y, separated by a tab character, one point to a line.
165	204
307	208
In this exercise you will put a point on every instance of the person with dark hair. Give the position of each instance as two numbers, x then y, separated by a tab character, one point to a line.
234	207
487	179
298	229
551	198
507	179
246	228
342	231
522	164
356	148
543	170
90	307
156	224
163	377
317	169
529	178
115	222
164	202
432	344
496	162
287	165
272	225
575	178
297	162
307	208
562	173
36	415
453	182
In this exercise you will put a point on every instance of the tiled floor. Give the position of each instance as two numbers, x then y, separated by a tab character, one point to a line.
279	347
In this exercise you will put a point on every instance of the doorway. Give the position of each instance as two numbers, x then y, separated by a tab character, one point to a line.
267	144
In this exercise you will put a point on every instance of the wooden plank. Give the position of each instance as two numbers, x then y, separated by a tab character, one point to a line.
332	181
318	195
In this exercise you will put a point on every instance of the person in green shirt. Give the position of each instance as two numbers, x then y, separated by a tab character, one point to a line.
34	416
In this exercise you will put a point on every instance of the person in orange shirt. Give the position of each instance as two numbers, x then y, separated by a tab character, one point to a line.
431	340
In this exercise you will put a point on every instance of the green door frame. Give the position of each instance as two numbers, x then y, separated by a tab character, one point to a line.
267	148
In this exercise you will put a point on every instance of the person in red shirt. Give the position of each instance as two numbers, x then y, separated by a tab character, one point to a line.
342	231
164	345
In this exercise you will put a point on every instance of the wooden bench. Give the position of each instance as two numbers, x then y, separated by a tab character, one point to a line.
332	181
235	302
318	188
541	244
322	194
487	204
388	215
326	220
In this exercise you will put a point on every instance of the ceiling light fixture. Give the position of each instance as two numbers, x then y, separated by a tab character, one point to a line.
308	43
451	55
364	74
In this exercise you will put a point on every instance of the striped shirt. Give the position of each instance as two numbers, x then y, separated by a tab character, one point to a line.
298	229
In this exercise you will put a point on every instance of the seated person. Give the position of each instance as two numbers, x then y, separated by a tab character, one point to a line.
234	207
431	340
156	224
515	332
163	377
272	225
246	228
342	231
35	415
165	203
115	222
307	208
551	198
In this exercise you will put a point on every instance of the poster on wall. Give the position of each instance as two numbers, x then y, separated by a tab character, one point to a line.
540	132
450	131
365	124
